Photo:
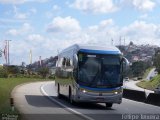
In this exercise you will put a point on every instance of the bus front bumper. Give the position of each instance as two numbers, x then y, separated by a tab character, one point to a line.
112	98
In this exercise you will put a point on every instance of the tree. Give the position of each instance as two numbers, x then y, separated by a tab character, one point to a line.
43	71
157	62
138	68
3	72
12	69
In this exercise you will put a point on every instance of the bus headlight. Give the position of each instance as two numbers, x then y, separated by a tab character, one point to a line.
115	92
84	91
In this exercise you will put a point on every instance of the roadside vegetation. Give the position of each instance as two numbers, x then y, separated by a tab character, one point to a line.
6	87
138	69
154	82
147	72
151	84
11	76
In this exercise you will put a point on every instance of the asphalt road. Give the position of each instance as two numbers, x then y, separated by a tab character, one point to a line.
132	85
39	101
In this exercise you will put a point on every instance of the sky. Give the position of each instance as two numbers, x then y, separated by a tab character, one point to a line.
48	26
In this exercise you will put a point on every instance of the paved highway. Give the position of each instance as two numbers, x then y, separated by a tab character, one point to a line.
132	85
38	101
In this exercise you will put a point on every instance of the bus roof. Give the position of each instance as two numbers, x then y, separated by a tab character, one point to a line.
94	49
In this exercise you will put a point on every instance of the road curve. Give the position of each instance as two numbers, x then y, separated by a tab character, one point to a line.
132	85
33	105
31	102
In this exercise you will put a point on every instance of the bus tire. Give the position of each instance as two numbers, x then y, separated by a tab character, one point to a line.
109	105
58	91
70	96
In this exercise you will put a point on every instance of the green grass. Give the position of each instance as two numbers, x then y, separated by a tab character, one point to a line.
6	86
146	72
151	85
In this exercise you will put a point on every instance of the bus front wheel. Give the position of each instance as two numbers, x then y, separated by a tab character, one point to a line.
70	97
58	92
109	105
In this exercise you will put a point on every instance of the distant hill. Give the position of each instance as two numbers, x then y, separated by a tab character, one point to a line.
132	52
138	52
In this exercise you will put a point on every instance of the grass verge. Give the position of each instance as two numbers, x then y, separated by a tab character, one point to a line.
147	72
6	87
151	84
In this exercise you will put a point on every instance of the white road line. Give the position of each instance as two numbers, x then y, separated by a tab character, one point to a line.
61	104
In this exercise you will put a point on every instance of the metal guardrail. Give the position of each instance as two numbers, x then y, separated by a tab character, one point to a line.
154	99
140	96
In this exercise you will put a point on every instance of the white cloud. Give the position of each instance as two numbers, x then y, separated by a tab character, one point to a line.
64	25
144	16
23	15
24	29
142	32
95	6
35	38
144	5
12	1
106	24
102	25
12	32
55	11
56	7
33	10
19	15
140	28
20	1
141	5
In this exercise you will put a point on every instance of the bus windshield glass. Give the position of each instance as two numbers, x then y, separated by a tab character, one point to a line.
99	71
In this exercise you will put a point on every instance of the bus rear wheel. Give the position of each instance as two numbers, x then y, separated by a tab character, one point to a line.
109	105
58	92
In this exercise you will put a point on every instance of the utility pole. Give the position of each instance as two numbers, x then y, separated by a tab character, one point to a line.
5	52
8	61
30	56
40	61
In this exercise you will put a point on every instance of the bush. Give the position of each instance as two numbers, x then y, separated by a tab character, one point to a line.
12	69
3	72
35	76
52	77
12	76
43	71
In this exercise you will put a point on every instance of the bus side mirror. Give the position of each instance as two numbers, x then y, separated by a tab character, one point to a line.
125	64
75	61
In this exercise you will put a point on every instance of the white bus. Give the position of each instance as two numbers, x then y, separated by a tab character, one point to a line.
87	73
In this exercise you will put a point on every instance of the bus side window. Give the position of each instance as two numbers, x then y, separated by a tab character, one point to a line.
59	62
64	62
68	62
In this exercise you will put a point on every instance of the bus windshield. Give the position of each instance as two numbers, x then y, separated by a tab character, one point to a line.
100	71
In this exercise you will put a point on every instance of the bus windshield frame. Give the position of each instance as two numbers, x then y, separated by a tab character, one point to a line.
99	70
